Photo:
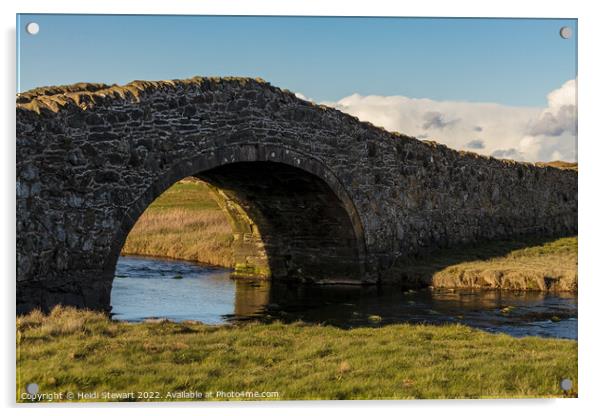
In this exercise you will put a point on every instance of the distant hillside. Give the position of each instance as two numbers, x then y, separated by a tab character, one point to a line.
560	164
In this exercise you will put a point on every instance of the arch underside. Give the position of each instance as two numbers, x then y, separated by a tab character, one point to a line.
287	224
291	217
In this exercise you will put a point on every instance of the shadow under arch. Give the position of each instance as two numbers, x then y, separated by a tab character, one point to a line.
230	169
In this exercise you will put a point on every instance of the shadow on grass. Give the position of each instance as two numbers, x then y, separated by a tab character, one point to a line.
419	271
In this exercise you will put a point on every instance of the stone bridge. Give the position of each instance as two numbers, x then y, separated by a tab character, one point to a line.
314	194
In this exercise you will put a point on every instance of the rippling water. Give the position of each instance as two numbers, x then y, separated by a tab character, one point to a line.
155	288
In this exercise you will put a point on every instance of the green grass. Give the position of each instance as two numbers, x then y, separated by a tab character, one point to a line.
188	194
72	350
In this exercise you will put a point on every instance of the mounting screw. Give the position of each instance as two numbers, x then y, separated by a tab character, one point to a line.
566	32
32	28
566	384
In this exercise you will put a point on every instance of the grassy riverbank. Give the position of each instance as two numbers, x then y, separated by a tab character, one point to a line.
81	351
530	263
184	223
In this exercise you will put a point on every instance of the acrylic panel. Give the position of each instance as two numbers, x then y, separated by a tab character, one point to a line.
295	208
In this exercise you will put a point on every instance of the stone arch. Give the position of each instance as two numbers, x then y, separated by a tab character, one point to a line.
92	157
224	157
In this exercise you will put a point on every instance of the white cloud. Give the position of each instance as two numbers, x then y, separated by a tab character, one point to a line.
522	133
553	135
303	97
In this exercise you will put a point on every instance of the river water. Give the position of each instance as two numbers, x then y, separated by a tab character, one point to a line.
147	288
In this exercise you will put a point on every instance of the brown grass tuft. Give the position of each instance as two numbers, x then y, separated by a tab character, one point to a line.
62	320
344	367
33	319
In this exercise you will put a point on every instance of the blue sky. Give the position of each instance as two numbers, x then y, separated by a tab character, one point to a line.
507	61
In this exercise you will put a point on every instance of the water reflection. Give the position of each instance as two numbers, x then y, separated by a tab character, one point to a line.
251	298
146	287
516	313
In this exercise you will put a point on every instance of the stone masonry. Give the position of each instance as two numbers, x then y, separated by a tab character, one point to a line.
314	194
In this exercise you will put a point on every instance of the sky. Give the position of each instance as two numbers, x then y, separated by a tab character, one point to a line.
501	87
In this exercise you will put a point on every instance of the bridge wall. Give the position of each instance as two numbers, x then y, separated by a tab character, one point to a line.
91	158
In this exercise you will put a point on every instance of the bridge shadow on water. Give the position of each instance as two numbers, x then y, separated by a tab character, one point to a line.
516	312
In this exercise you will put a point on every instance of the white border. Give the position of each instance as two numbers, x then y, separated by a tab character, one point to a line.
590	203
430	8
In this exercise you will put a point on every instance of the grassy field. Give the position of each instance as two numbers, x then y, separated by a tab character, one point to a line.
82	351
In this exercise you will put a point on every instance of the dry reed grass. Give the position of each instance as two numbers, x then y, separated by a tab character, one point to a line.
204	236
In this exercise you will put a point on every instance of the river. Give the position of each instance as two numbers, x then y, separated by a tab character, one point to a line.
146	288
